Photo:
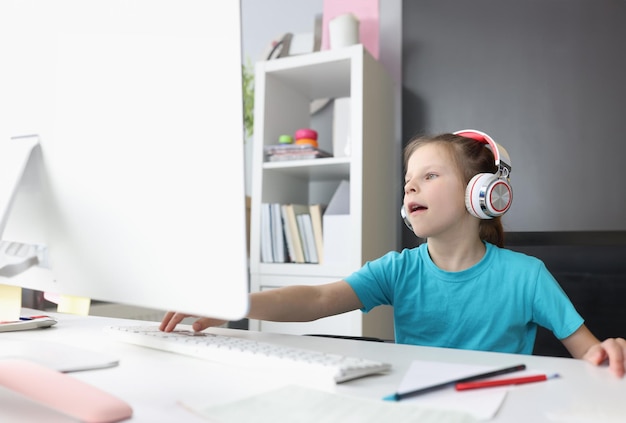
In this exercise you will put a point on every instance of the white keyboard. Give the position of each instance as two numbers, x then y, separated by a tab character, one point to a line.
247	352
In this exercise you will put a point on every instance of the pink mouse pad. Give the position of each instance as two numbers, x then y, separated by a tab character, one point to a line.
62	392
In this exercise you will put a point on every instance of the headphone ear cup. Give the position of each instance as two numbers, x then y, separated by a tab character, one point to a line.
500	197
405	218
488	196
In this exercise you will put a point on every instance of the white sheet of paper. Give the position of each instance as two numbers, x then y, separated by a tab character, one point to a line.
611	409
307	405
61	357
483	404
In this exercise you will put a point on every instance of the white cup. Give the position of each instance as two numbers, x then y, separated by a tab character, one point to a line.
343	31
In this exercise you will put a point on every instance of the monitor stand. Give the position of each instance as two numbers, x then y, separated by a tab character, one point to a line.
16	257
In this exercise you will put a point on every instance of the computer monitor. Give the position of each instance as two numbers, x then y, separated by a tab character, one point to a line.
136	184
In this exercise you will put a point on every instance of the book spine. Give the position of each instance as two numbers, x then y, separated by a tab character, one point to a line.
278	234
310	238
289	236
305	244
266	234
318	233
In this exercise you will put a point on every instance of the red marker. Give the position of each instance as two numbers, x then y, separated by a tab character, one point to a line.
503	382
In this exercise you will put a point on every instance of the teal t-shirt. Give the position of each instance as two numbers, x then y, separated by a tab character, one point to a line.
495	305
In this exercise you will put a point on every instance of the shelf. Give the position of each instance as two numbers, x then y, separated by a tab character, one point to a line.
309	269
323	74
284	89
315	169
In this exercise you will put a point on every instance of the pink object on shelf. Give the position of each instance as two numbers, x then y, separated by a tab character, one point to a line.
306	133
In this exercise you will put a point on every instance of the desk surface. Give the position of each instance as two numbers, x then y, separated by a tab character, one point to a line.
154	382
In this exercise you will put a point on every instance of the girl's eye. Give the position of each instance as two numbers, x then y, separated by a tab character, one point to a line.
430	176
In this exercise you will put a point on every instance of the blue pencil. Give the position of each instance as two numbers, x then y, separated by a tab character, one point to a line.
402	395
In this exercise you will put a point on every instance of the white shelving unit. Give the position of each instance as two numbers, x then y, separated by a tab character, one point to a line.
284	90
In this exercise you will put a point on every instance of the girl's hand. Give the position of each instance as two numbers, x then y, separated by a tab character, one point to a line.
172	318
613	350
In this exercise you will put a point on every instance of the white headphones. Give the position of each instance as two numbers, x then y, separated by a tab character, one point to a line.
487	195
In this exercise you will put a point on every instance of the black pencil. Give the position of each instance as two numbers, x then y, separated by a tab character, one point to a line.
402	395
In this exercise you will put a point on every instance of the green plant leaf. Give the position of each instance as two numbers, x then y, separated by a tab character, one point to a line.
248	97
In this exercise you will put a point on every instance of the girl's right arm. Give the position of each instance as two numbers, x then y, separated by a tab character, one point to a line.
301	303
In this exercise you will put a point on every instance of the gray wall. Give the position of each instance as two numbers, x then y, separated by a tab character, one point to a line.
545	78
267	20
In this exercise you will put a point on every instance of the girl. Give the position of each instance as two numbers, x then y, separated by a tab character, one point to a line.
459	289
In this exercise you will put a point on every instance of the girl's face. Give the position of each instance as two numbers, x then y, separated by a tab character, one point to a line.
434	193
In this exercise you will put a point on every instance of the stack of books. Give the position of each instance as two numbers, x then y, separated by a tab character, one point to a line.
281	152
292	233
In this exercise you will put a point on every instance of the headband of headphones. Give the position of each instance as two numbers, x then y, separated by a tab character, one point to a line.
501	156
487	195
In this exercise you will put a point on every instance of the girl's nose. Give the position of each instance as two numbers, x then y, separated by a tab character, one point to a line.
409	187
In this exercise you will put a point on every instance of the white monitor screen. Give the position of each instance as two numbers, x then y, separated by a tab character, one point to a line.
137	185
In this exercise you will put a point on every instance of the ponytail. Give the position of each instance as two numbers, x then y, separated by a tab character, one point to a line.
491	230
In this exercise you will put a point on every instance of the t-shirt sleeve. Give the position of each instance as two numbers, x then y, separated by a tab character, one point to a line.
372	282
553	308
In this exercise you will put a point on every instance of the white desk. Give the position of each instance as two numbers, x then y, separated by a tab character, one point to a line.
153	382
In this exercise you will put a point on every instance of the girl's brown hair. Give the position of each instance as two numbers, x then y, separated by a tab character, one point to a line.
470	157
